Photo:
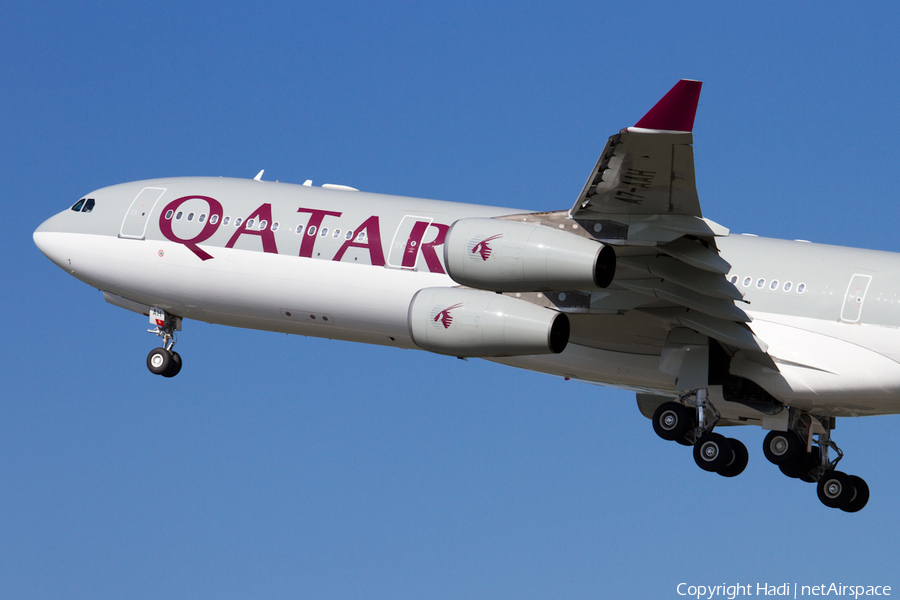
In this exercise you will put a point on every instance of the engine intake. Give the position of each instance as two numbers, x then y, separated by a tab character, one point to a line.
508	256
474	323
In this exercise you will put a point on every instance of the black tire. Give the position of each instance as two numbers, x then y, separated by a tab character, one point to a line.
835	489
812	475
159	360
800	467
740	458
671	421
861	498
174	365
782	447
712	452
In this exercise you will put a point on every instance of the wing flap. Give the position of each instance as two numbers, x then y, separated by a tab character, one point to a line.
696	255
682	296
685	275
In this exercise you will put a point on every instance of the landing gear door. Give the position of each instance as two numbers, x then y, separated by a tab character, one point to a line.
853	299
135	223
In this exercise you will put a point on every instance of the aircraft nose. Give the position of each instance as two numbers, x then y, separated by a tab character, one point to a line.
49	241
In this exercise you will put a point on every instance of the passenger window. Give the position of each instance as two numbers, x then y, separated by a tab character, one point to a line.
337	234
78	205
275	226
250	223
226	220
202	217
89	206
324	232
238	221
190	217
169	214
787	286
311	230
361	237
773	285
761	283
801	288
734	279
178	216
299	229
747	281
349	235
263	225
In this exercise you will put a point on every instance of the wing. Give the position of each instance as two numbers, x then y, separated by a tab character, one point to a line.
648	169
670	294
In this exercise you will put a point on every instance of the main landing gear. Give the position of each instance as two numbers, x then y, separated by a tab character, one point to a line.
687	423
164	361
802	454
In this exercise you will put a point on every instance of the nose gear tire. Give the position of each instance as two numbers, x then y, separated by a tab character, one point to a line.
159	360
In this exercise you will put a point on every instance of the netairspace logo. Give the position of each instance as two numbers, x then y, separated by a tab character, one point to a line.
785	590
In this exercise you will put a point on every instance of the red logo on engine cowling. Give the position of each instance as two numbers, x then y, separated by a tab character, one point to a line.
483	248
444	316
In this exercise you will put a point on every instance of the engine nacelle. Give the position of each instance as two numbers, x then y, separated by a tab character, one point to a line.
508	256
473	323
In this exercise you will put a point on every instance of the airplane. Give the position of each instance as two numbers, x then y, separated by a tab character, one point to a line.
631	287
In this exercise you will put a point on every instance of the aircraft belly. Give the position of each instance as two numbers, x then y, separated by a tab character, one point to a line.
635	372
243	288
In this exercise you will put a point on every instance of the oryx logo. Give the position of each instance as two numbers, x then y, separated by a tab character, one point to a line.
483	249
444	317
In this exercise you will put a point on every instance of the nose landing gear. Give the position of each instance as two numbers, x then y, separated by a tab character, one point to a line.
164	361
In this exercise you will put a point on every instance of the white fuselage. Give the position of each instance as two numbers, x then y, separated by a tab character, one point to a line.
358	260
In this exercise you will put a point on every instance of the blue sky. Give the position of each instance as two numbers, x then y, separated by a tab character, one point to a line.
288	467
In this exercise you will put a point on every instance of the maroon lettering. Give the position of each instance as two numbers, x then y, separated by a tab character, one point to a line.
315	220
263	213
165	225
428	252
372	242
411	252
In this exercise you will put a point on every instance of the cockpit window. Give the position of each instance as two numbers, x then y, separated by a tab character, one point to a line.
84	205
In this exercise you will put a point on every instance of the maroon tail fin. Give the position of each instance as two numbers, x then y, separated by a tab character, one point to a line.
676	110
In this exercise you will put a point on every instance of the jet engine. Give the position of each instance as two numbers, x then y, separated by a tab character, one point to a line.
462	322
508	256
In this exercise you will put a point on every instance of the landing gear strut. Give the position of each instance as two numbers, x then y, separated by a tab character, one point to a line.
164	361
801	452
810	461
686	423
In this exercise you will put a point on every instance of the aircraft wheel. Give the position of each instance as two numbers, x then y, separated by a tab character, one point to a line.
174	365
781	447
712	452
862	495
800	467
671	421
835	489
740	458
159	360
